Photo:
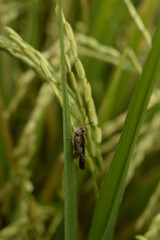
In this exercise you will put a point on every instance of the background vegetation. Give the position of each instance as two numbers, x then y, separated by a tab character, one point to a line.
107	44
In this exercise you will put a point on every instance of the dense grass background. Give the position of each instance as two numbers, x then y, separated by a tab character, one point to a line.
109	51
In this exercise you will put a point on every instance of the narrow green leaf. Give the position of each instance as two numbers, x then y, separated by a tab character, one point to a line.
6	157
1	70
114	183
70	210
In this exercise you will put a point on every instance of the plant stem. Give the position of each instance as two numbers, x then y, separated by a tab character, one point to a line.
70	207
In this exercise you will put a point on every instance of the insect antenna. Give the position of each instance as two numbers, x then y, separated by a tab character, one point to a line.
89	123
85	118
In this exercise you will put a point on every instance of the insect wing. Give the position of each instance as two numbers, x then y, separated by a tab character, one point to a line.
82	157
75	145
83	143
79	145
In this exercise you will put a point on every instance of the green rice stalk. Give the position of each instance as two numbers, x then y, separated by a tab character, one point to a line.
70	206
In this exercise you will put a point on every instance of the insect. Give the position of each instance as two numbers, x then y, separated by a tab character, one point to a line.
79	145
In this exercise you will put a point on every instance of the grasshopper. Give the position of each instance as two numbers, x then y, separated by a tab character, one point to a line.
79	139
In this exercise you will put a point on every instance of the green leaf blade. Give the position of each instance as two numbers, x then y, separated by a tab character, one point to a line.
114	183
6	151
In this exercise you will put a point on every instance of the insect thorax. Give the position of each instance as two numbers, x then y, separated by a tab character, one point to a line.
79	131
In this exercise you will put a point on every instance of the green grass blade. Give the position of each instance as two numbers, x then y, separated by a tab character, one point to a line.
69	167
114	182
1	71
6	153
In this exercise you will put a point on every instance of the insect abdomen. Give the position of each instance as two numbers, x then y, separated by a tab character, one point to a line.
82	163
